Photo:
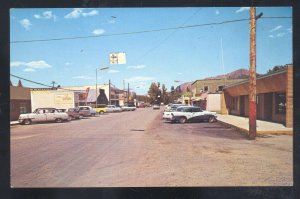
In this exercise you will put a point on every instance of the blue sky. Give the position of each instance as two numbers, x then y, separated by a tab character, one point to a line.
185	54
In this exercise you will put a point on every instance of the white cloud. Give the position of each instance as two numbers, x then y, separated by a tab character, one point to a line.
179	73
82	77
276	28
33	64
25	23
78	12
45	15
74	14
242	9
98	32
280	34
137	67
217	12
277	35
38	64
139	79
92	13
16	63
29	70
37	16
67	63
113	71
111	21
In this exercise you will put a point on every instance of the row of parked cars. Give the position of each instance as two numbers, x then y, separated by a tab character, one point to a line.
178	113
60	115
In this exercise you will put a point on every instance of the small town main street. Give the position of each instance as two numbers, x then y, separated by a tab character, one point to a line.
137	149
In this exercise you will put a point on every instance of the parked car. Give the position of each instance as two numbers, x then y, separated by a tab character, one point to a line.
129	107
43	115
86	111
172	106
156	106
73	113
192	114
113	108
167	114
101	108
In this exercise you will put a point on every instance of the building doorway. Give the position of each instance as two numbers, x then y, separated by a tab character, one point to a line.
268	104
242	106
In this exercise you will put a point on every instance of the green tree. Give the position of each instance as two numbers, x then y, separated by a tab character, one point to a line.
20	83
153	92
276	68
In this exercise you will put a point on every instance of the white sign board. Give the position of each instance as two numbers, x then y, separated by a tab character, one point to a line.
117	58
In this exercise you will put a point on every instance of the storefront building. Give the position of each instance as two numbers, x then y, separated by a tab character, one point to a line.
207	92
20	101
274	98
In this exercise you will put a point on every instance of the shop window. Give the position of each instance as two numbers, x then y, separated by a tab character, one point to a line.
23	108
205	88
220	88
280	102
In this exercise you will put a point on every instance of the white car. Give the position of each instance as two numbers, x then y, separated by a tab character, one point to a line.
192	114
113	108
167	113
43	115
128	108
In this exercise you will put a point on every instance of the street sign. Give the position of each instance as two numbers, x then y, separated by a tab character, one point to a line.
117	58
188	94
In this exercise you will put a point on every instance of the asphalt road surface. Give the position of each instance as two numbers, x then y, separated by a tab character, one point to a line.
138	149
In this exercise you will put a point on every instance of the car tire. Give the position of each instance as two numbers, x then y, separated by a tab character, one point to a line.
101	112
80	116
58	120
27	122
211	119
182	120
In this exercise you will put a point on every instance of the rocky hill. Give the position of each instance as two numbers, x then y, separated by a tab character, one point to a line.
237	74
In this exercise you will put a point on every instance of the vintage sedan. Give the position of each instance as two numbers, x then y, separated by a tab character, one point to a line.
43	115
113	109
192	114
86	111
129	107
167	113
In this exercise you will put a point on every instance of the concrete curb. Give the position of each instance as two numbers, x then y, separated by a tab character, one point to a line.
269	132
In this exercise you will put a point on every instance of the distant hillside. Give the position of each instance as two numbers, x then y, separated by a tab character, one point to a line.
237	74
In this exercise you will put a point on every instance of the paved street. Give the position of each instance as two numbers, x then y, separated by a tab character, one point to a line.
138	149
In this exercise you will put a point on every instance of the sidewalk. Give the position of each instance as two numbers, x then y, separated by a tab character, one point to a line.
263	127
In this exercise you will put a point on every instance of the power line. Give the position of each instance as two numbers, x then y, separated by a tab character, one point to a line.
168	36
38	82
143	31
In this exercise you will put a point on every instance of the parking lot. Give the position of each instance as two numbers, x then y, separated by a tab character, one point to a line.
137	148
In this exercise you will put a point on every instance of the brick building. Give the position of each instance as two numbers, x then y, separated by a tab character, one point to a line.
274	97
20	101
207	92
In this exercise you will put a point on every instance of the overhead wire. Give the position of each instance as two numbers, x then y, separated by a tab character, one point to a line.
142	31
40	83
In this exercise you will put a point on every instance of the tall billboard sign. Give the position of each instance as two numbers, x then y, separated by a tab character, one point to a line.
117	58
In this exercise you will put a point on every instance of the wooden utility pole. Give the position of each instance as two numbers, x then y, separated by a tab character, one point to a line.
128	94
252	75
109	90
